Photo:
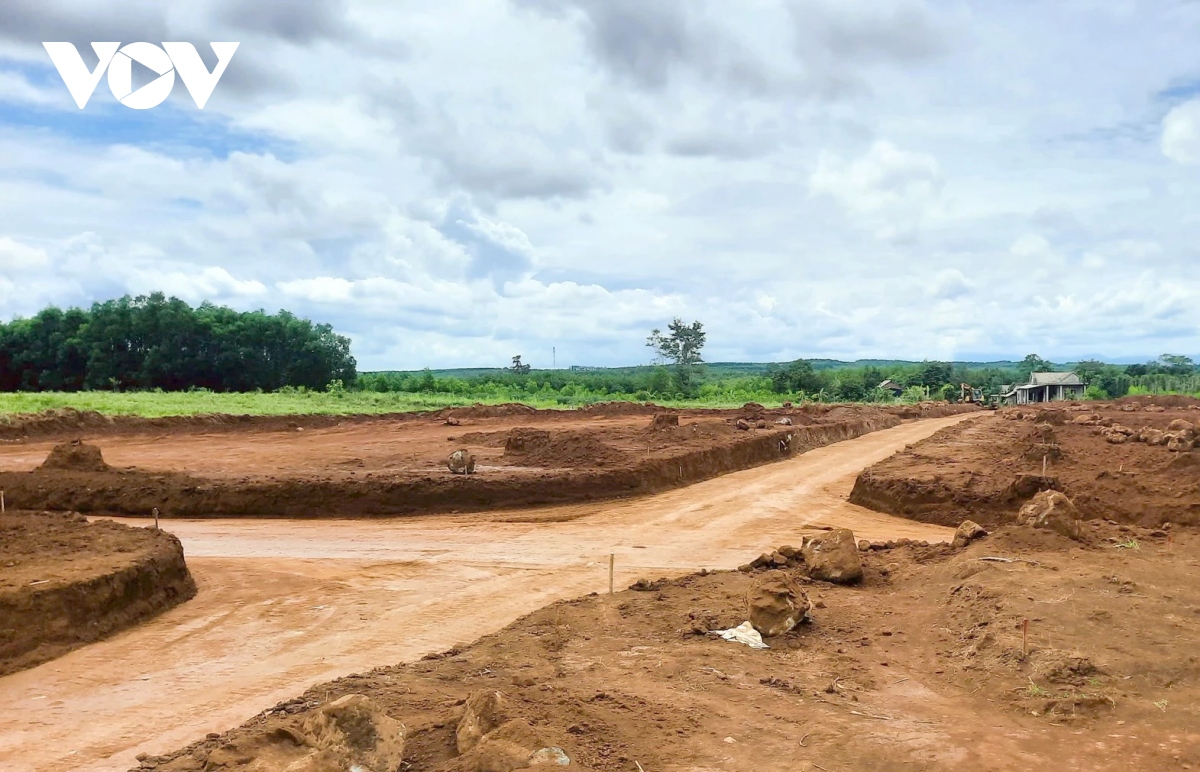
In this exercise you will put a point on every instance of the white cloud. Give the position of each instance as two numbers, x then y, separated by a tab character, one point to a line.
1181	133
455	182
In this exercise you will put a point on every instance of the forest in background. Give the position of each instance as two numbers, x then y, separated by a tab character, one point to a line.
155	355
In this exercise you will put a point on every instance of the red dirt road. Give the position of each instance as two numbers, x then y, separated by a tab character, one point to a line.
285	604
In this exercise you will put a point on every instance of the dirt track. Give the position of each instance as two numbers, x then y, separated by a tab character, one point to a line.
284	604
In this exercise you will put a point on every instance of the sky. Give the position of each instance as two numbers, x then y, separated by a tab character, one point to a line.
453	182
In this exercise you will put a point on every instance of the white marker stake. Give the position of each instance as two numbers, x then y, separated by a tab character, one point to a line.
1	502
156	518
612	561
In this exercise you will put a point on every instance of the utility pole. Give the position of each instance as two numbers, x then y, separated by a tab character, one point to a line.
553	358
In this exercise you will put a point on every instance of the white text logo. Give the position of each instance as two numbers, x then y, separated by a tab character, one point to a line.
118	60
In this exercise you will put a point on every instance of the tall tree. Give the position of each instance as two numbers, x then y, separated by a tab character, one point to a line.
681	346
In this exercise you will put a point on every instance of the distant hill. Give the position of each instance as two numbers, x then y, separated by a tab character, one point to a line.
713	368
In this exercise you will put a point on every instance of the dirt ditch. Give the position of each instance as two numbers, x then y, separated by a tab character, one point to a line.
1114	460
65	582
377	466
1019	651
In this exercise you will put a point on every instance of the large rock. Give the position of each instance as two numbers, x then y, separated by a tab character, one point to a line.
664	420
1183	428
1051	510
354	732
968	531
350	733
483	712
461	462
833	557
1178	442
776	605
1153	436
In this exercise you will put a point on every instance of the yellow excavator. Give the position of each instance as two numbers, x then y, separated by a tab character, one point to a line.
969	394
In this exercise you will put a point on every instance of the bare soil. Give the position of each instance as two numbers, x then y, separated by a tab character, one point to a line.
285	604
924	666
65	582
987	467
364	466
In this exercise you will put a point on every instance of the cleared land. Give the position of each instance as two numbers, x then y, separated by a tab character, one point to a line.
286	604
323	466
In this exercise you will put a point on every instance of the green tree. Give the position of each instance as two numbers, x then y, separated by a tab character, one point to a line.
681	346
1032	363
518	367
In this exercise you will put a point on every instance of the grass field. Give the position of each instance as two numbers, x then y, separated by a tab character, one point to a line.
155	404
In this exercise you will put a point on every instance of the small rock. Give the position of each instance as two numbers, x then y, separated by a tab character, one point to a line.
461	462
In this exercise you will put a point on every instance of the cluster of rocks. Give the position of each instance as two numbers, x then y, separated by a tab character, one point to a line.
354	733
827	557
1178	437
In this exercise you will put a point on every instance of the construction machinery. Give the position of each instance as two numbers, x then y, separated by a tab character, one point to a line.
967	393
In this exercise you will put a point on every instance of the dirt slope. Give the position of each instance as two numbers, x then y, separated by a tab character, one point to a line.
286	604
65	582
987	467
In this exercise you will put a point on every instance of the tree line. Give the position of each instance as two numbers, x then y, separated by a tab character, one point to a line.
155	342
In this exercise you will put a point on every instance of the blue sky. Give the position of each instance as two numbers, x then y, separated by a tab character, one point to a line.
452	183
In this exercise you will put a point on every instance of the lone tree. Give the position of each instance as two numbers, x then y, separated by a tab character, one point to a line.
680	346
518	367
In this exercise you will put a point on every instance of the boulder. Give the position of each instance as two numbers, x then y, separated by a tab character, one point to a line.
1183	428
761	424
785	421
482	713
1179	444
357	731
968	531
1154	437
776	605
833	557
1051	510
742	424
1121	429
461	462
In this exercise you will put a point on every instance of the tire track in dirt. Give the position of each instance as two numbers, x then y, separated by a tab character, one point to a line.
286	604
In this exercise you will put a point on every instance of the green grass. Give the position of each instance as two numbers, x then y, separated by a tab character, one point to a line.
156	404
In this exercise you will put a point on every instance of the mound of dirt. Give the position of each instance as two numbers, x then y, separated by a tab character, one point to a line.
1115	464
908	670
560	449
664	420
75	456
65	582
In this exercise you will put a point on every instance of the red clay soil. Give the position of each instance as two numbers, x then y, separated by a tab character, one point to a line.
369	466
985	468
923	666
65	582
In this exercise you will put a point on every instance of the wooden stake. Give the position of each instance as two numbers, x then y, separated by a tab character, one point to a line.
1169	544
1	501
612	562
156	518
1043	466
1024	637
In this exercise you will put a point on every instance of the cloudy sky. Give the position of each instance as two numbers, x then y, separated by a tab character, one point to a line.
451	182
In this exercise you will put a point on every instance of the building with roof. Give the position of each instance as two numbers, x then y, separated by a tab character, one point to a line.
1044	387
889	385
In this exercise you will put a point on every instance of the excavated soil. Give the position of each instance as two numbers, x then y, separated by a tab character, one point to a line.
320	466
1022	651
986	468
65	582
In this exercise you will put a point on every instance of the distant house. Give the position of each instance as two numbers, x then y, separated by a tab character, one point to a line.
1043	387
890	385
